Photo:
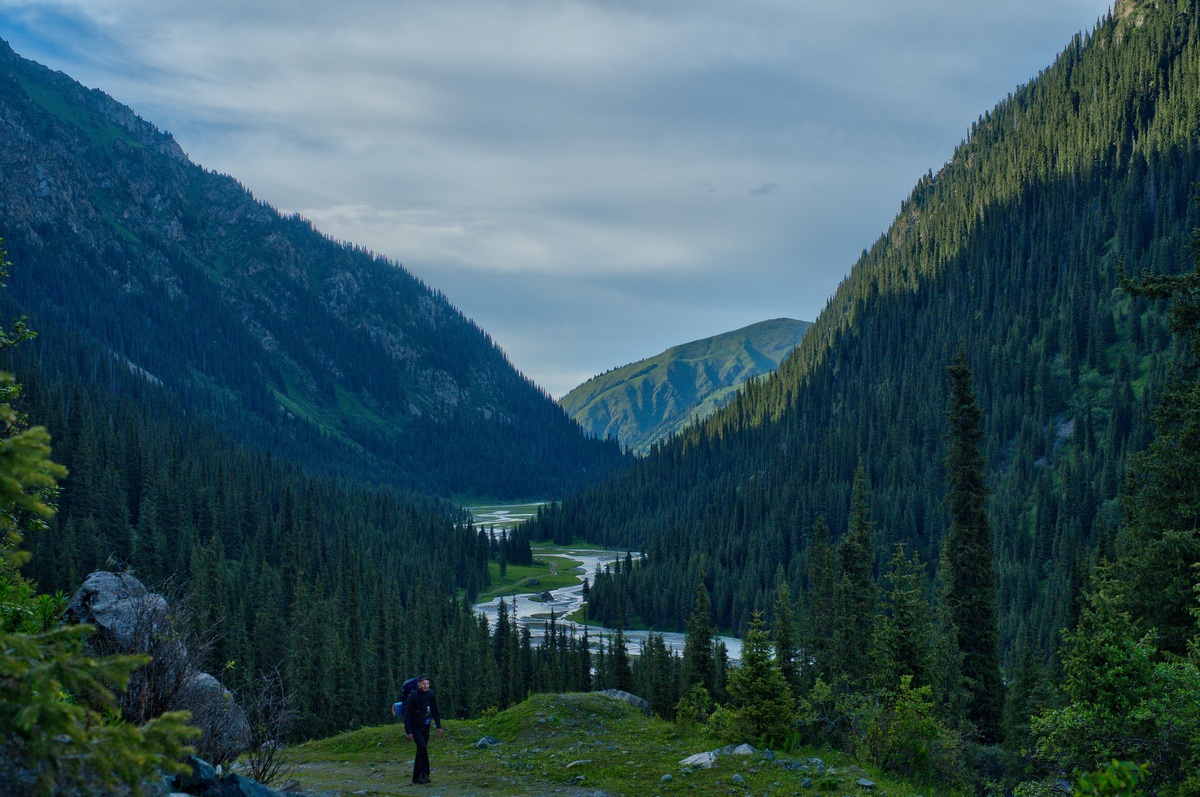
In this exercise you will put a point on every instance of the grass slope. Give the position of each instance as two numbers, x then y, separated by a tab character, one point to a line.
574	745
650	400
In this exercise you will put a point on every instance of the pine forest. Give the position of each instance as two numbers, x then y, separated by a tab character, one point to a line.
956	531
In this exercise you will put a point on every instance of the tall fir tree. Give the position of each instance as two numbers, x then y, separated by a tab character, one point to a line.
904	629
969	573
822	583
762	698
854	598
783	633
698	666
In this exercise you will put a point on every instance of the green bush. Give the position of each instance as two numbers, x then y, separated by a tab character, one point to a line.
904	735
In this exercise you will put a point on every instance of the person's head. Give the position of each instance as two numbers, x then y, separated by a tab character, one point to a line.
423	682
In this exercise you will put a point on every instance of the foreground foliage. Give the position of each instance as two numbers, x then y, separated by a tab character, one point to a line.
59	728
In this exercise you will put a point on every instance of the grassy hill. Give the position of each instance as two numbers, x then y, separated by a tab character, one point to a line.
650	400
572	744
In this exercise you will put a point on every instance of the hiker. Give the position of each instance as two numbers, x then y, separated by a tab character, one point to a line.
420	709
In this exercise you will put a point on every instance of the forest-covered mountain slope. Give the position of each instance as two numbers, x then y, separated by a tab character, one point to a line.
650	400
320	351
1013	250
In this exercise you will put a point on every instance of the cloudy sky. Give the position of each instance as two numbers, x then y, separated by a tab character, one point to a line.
590	181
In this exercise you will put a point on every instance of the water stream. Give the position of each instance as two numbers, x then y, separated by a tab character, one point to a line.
534	614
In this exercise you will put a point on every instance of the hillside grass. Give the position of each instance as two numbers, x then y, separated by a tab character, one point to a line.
575	745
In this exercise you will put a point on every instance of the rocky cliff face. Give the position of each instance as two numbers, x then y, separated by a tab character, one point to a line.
255	318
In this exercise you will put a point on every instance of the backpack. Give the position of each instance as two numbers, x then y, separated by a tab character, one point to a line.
406	689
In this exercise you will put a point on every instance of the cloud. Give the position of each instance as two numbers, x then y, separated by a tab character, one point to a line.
574	153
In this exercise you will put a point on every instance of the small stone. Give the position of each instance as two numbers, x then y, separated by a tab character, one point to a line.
807	783
737	780
865	784
666	778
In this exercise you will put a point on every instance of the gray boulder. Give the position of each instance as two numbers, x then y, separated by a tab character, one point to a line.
215	713
632	700
126	615
129	618
201	780
237	786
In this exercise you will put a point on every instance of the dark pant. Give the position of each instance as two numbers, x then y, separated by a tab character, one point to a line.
421	764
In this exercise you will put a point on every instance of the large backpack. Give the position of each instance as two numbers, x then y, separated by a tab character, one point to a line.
405	690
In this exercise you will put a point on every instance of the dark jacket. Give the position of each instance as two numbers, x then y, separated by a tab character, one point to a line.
419	709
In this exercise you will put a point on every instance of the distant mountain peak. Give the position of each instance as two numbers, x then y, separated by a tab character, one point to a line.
648	401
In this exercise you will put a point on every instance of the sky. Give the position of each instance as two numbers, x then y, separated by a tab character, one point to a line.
591	182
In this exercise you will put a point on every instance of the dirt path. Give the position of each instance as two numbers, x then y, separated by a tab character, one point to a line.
345	778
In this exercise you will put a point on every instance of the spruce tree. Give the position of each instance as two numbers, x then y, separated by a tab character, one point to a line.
783	633
969	573
622	673
904	630
822	581
761	696
854	597
698	644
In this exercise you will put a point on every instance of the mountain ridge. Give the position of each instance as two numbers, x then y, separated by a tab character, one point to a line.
318	349
650	400
1014	251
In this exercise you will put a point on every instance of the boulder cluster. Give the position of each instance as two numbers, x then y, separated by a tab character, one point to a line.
129	618
205	781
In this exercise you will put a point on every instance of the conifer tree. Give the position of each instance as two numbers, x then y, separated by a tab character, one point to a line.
854	607
762	698
622	674
968	571
822	581
698	644
656	676
903	632
783	633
